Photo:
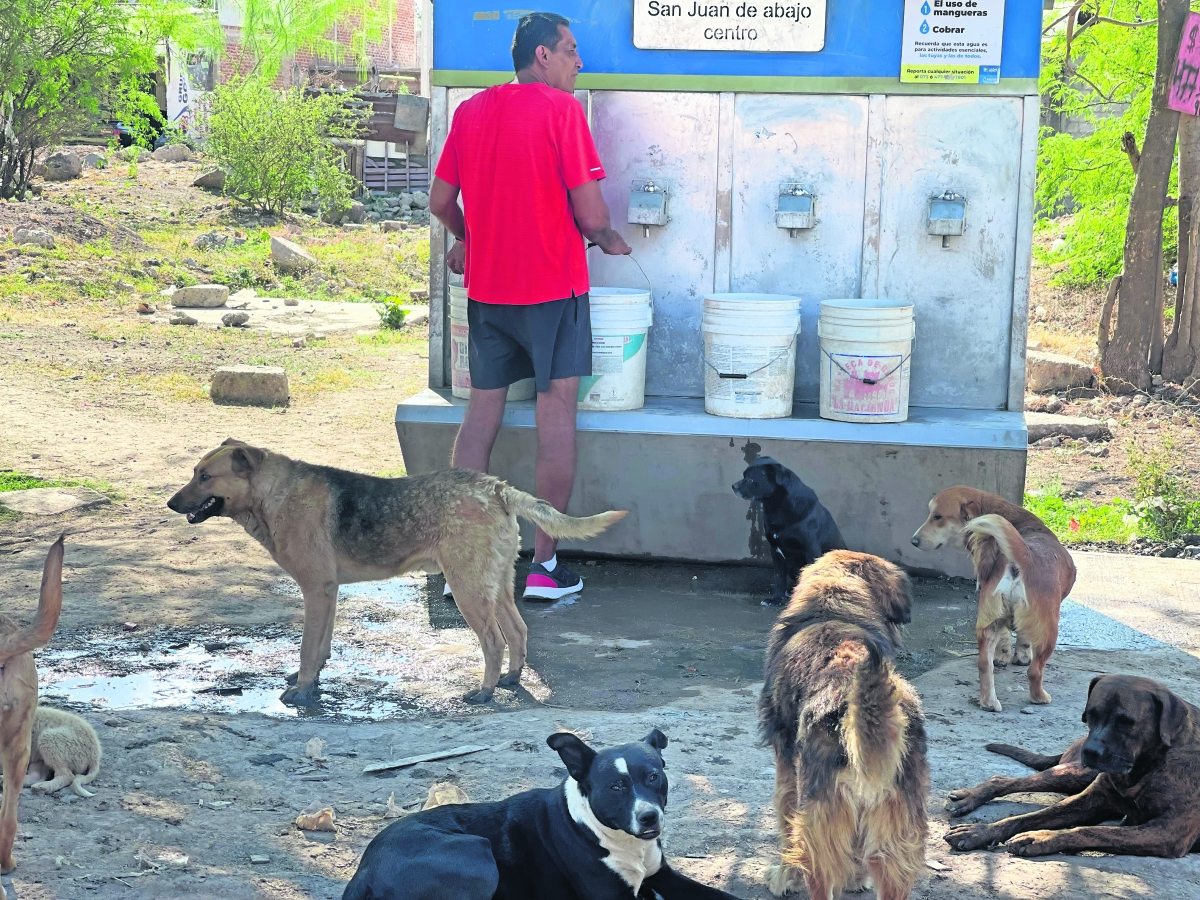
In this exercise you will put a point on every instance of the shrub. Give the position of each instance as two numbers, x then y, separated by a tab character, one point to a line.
391	313
276	146
1166	505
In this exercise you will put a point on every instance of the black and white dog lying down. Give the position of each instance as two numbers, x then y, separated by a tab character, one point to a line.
594	837
799	529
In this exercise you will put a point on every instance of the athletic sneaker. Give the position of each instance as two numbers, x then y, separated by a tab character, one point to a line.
543	585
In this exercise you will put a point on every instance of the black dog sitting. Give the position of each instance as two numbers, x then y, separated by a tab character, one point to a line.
799	529
594	837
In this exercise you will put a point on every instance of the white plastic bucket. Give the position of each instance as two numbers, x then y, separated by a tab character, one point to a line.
460	360
866	359
620	319
750	354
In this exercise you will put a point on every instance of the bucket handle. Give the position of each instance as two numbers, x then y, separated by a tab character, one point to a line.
742	377
868	381
649	283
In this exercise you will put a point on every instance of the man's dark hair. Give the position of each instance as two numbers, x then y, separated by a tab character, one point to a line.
535	30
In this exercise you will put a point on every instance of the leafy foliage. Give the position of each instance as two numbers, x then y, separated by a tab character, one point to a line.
1107	80
275	146
392	313
1079	520
1166	506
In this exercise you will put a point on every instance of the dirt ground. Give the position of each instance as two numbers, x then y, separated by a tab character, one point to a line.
174	639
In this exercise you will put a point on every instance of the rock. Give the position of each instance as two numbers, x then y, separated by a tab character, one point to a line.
404	201
135	154
1099	450
299	343
390	225
242	298
416	317
172	153
200	296
95	161
146	309
62	166
51	501
419	294
420	217
420	200
235	319
124	286
181	319
259	860
1046	372
212	240
1046	443
212	180
357	213
351	227
1139	401
289	257
1033	345
1042	425
250	386
1054	404
33	237
290	301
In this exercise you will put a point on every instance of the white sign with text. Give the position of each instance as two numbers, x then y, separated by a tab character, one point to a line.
762	25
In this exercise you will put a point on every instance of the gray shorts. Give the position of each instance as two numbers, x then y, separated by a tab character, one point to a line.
543	341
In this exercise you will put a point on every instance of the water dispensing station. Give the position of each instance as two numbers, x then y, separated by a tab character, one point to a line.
801	148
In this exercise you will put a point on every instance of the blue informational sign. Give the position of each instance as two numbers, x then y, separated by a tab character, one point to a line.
863	40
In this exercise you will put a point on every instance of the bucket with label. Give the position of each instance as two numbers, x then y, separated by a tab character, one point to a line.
750	354
460	359
620	319
866	359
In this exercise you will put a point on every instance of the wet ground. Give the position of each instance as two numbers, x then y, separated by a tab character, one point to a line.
639	636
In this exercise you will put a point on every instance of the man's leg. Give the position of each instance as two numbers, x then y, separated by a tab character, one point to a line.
480	426
555	476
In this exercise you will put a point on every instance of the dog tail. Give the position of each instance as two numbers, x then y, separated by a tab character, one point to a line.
1035	761
876	725
999	529
39	632
551	521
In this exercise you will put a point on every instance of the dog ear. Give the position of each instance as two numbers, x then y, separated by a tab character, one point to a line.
575	754
1089	696
1173	716
970	510
656	739
233	442
246	459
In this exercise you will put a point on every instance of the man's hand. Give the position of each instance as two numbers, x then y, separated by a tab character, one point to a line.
456	258
591	215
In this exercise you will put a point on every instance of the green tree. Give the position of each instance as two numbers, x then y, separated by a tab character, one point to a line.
276	145
61	63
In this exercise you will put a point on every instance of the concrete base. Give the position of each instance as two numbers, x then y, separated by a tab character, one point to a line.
672	466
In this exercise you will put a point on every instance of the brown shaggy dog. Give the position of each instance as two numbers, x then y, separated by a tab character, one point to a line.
19	695
851	778
1024	574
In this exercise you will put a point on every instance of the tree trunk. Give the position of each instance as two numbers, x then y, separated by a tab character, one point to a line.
1182	350
1125	364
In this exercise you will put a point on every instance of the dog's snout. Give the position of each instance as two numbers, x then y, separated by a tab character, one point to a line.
648	818
173	504
916	540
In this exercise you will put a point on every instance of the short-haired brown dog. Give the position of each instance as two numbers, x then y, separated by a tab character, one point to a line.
327	527
848	732
1140	763
19	695
1024	574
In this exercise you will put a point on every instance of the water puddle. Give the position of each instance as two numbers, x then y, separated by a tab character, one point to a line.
398	652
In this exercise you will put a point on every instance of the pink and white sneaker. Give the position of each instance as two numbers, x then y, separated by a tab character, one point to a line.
543	585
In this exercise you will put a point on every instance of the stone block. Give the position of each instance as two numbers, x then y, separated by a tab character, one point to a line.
95	161
290	257
51	501
172	153
1043	425
200	296
213	180
1046	372
33	237
357	213
62	166
389	225
250	386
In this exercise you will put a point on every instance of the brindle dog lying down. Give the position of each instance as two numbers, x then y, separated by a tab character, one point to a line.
327	527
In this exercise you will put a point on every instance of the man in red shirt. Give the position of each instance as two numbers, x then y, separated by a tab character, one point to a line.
522	156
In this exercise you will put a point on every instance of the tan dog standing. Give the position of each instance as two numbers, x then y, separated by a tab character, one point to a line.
327	527
19	695
1024	574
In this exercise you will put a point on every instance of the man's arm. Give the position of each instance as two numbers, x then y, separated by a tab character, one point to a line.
443	203
591	214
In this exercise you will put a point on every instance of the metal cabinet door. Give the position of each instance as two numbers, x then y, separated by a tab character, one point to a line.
963	294
819	142
672	139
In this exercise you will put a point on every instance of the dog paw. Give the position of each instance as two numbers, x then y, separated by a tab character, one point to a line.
992	705
293	678
483	695
300	696
1032	843
782	880
7	868
512	679
42	787
959	803
1042	700
969	837
773	601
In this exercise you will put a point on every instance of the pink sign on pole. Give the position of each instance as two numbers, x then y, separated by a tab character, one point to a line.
1185	84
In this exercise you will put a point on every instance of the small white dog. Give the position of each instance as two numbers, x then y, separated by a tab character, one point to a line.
64	750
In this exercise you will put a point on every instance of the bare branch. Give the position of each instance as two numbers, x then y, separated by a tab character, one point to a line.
1106	311
1069	13
1123	24
1129	145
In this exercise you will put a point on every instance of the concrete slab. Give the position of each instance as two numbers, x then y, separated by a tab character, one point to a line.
51	501
274	316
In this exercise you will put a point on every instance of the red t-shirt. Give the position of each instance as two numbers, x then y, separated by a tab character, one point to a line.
514	151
